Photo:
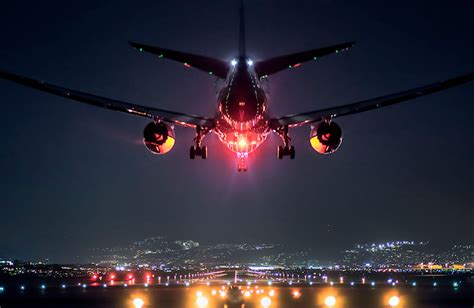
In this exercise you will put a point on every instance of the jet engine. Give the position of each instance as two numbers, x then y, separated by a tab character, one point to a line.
158	137
325	137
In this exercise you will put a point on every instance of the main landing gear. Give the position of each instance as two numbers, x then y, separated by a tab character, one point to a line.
286	149
198	149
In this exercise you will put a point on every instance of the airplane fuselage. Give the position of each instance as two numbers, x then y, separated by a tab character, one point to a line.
242	123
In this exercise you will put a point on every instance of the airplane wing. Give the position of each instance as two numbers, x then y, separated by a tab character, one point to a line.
134	109
383	101
274	65
212	66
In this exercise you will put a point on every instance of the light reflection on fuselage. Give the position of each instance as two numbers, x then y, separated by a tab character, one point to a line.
242	105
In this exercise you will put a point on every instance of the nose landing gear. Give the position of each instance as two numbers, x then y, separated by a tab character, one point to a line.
242	162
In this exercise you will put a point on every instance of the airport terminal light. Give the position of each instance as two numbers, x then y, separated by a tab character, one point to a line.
330	301
138	302
394	301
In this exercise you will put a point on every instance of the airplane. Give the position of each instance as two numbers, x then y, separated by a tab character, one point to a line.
242	122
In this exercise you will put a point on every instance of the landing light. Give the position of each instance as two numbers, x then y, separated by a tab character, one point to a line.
249	62
266	302
233	62
138	302
394	301
330	301
202	301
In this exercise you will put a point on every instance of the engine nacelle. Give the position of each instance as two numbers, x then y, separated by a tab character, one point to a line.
325	137
158	137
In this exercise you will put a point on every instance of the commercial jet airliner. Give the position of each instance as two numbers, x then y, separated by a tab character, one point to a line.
242	121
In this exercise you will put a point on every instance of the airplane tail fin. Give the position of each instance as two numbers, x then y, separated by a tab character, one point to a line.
274	65
242	31
210	65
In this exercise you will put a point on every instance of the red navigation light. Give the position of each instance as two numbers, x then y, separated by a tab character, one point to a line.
296	65
112	276
187	65
94	277
130	277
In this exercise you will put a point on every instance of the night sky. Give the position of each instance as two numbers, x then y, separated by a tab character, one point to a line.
74	176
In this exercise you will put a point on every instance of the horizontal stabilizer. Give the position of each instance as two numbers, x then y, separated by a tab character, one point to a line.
212	66
274	65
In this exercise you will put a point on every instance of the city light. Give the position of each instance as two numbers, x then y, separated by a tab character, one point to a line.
247	293
296	294
198	293
413	284
202	301
372	284
43	286
455	284
394	301
266	302
63	286
2	289
138	302
146	285
435	284
330	301
104	285
271	293
84	286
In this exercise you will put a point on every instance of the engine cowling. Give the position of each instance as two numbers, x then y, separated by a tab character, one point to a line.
158	137
325	137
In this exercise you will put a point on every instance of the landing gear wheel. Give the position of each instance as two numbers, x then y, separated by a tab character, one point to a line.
280	152
286	151
292	152
198	151
204	152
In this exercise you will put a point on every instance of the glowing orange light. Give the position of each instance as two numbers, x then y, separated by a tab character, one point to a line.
271	293
296	294
330	301
266	302
247	294
138	302
394	301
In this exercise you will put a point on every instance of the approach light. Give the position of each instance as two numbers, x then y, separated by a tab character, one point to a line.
22	288
104	285
330	301
138	302
43	286
202	301
455	284
394	301
413	284
2	289
266	302
63	286
435	284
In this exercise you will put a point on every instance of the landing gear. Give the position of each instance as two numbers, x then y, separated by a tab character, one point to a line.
242	163
198	149
286	149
